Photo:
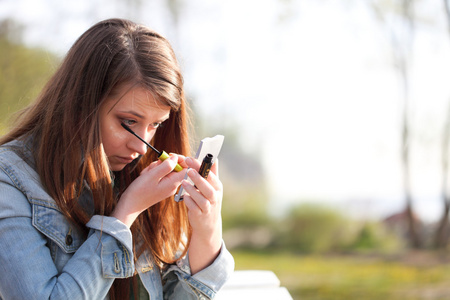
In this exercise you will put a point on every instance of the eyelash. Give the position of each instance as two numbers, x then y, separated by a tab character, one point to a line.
129	122
156	125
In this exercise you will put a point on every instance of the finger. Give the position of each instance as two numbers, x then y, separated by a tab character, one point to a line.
166	166
215	167
215	182
182	161
201	184
192	163
151	166
170	183
213	177
202	202
191	205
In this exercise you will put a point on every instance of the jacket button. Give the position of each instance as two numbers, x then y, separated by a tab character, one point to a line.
69	239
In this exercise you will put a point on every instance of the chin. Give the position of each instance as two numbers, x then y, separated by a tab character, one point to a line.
117	168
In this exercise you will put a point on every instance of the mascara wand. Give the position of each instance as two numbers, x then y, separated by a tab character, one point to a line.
162	156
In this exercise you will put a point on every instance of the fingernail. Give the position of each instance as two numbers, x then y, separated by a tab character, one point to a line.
188	160
191	173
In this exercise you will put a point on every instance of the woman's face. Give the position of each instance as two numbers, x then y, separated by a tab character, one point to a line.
136	108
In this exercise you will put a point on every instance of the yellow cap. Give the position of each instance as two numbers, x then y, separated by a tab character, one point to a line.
165	156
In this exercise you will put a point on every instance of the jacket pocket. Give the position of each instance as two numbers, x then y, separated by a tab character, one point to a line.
52	223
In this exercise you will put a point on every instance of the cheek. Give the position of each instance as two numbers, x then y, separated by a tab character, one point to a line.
152	135
118	134
112	139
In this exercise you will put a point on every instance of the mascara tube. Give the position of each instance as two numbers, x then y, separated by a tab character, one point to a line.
206	166
163	156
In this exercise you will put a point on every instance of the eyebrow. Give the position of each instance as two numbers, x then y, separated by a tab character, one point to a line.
134	113
165	118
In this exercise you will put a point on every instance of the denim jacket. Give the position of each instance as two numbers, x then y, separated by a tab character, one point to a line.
42	256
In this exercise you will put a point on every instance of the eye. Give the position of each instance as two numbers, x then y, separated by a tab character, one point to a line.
128	122
155	125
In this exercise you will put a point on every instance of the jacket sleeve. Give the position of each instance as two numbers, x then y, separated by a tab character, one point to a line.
178	283
26	263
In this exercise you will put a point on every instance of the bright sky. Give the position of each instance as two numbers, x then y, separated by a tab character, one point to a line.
309	84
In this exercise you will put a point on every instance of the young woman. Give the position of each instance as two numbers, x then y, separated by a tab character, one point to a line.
86	212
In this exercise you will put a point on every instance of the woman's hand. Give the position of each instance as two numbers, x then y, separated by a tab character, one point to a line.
204	202
155	183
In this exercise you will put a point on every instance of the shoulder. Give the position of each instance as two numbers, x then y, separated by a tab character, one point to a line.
18	175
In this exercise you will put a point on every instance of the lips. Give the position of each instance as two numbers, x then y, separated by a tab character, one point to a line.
124	160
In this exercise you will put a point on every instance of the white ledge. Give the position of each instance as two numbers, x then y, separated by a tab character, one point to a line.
253	284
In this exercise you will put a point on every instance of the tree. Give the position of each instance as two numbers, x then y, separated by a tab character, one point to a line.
24	71
399	18
441	237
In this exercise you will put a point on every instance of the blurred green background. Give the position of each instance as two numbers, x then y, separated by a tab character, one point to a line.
336	125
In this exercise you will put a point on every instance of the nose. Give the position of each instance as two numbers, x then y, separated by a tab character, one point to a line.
136	145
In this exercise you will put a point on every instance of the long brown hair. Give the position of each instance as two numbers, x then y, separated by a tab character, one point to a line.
64	125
